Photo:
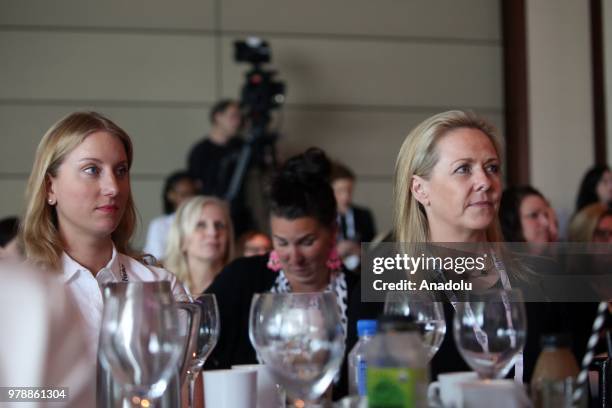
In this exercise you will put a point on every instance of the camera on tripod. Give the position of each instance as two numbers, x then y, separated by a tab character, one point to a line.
261	92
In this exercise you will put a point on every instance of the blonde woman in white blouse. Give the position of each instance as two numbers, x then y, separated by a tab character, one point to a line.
80	213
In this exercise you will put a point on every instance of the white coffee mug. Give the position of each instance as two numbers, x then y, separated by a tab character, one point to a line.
494	393
268	393
448	389
230	388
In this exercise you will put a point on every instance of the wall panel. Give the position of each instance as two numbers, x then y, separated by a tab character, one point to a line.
151	14
467	19
93	66
378	134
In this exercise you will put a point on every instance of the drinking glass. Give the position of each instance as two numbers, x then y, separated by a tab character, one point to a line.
207	337
490	329
299	337
141	340
426	314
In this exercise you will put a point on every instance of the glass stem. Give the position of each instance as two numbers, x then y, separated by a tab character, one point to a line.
192	381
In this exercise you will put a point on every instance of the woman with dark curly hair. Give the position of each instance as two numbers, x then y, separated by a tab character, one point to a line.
303	259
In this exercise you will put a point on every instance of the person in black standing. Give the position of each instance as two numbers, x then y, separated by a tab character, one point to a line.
212	161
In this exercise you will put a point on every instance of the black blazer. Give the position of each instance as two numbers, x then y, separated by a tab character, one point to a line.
364	224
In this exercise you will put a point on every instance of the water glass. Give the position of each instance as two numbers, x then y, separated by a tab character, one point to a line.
426	314
300	338
490	329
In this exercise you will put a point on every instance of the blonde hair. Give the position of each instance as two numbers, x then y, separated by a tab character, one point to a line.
584	223
418	156
184	224
39	230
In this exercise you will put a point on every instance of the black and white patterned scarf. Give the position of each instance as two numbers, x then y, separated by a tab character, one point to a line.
337	285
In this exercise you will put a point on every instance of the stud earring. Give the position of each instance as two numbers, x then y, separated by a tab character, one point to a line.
51	201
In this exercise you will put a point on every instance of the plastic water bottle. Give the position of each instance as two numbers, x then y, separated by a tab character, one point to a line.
357	362
397	372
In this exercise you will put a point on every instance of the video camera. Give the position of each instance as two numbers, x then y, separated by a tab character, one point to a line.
261	93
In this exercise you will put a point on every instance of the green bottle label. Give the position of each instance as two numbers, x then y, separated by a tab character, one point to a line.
391	387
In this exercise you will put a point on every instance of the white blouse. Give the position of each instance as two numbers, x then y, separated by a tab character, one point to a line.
87	289
157	236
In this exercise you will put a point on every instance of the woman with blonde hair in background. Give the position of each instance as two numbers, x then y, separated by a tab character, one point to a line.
200	242
80	213
591	224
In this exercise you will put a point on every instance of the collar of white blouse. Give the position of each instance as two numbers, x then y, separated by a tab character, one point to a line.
110	273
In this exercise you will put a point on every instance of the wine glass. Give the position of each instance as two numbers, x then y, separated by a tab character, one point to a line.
141	340
490	329
207	337
299	337
426	314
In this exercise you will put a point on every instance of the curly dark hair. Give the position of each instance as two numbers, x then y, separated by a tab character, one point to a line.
301	188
